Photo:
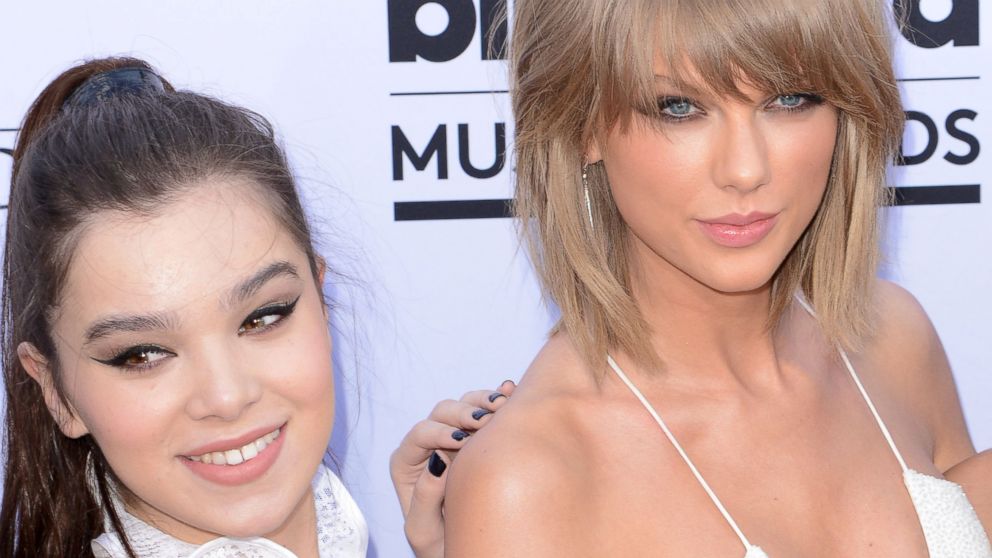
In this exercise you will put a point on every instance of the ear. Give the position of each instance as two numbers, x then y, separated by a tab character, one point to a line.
593	153
38	368
321	273
321	268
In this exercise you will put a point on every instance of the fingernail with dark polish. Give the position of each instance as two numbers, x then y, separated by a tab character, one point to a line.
436	465
479	413
459	435
506	382
494	396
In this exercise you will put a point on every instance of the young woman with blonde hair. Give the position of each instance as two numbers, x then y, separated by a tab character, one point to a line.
700	184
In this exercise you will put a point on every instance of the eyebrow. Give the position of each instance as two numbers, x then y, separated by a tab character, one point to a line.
167	320
128	323
251	285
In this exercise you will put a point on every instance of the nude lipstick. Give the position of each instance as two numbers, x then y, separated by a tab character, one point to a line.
739	231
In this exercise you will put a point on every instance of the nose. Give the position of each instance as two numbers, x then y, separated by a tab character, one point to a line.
222	386
742	160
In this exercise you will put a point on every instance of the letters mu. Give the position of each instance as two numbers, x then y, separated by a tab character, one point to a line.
437	147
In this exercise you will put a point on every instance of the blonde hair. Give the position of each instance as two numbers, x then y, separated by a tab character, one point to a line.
580	67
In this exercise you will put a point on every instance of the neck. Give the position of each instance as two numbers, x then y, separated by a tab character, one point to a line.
701	334
299	532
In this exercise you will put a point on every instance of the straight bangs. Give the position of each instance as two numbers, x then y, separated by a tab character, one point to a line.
827	47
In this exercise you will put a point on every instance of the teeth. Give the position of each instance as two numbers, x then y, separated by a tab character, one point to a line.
234	457
249	451
239	455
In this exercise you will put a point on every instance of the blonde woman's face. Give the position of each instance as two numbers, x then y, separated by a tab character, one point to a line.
195	351
720	189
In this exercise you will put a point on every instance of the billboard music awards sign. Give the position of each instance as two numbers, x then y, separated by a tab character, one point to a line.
396	118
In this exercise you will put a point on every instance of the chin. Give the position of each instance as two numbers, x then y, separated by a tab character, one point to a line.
262	524
738	281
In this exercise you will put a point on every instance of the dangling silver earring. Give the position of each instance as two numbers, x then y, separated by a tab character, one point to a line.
585	191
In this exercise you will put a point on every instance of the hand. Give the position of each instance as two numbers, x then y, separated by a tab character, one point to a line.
418	465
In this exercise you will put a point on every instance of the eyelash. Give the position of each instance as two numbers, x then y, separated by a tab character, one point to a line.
283	310
810	100
121	357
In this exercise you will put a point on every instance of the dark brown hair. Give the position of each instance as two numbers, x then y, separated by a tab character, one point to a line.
127	152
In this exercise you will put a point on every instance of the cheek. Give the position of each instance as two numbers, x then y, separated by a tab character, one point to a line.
133	424
299	367
802	164
655	177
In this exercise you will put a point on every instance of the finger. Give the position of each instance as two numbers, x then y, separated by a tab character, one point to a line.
507	387
424	437
468	414
424	525
484	399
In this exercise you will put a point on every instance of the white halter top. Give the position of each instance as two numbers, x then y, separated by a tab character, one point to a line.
341	532
950	525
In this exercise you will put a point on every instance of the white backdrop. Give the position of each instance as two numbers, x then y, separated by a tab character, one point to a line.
447	305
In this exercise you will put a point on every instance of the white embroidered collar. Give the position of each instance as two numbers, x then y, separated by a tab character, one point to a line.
341	532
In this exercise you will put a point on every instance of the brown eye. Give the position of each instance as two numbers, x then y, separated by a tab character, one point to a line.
137	358
264	318
257	323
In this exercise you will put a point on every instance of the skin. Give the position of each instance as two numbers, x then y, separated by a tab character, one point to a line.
218	374
770	417
445	430
213	382
973	475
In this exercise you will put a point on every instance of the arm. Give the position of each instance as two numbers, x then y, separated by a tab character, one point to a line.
975	476
418	465
512	493
920	372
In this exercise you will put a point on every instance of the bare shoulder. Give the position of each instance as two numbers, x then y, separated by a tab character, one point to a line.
911	362
512	486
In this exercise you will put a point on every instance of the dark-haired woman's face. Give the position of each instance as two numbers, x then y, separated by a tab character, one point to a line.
720	189
195	351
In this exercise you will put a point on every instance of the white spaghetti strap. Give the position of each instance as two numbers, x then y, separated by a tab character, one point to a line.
874	412
671	438
864	393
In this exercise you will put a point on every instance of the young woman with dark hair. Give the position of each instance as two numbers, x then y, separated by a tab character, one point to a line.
166	353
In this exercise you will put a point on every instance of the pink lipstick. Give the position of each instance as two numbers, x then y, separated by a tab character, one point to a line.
239	460
739	231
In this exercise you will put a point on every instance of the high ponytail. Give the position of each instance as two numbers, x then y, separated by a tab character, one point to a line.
125	147
50	102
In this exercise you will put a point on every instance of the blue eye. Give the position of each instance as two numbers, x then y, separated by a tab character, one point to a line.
790	100
795	101
677	108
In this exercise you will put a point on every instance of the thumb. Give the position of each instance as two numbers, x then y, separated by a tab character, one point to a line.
425	522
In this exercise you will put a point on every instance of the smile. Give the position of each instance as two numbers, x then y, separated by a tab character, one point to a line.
237	456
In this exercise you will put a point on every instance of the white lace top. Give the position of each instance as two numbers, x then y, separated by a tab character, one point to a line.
341	532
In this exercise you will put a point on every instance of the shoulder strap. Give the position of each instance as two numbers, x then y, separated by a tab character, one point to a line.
861	388
671	438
